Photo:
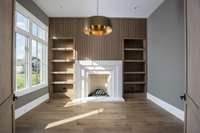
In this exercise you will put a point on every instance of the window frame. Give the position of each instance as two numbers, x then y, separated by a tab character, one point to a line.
44	63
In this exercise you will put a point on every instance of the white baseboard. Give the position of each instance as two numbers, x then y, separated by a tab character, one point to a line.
29	106
99	99
166	106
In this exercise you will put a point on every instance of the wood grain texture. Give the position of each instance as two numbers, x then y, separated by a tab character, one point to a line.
134	66
6	34
6	116
98	48
6	46
94	48
136	115
193	40
62	61
193	64
133	28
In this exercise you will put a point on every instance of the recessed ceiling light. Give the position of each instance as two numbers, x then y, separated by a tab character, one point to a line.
134	7
61	6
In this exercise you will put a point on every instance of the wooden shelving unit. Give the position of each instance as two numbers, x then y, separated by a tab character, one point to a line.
134	65
63	59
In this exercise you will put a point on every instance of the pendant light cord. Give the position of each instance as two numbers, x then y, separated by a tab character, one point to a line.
97	7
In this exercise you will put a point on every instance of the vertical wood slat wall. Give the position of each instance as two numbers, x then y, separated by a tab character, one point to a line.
95	48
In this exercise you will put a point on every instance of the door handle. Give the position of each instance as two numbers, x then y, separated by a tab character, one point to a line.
14	97
183	97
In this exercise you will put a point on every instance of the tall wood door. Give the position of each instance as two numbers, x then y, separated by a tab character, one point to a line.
6	93
193	66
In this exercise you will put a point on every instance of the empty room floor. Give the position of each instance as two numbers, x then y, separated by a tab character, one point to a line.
136	115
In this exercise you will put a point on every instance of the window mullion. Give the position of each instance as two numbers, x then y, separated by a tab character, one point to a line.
41	65
27	62
30	54
46	63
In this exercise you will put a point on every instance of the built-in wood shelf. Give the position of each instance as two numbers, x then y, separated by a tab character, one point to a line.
134	82
62	38
134	49
62	49
134	64
134	60
63	82
63	72
134	72
63	61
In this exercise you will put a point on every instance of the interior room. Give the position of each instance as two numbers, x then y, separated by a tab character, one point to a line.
99	66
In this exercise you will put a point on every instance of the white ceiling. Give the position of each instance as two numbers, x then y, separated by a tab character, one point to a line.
109	8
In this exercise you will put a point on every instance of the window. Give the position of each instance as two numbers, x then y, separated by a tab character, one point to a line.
22	21
41	33
36	63
21	63
34	29
38	31
31	52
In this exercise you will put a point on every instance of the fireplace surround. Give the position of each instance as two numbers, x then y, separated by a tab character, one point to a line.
85	68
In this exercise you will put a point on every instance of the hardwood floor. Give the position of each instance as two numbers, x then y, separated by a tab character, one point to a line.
136	115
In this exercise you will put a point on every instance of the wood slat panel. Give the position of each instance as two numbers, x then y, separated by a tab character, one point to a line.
5	49
6	117
98	48
135	28
94	48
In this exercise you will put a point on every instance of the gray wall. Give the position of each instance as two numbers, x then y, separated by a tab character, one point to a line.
36	11
166	52
21	101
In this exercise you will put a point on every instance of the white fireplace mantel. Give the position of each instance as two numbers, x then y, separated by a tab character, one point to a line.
85	67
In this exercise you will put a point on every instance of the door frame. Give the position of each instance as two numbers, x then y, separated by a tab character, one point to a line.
188	100
13	63
186	64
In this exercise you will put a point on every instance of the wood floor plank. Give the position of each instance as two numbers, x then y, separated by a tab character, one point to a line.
136	115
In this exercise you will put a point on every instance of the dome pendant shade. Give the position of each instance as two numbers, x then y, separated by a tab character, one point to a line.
97	26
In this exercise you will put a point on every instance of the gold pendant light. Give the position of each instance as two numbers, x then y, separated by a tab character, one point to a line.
97	25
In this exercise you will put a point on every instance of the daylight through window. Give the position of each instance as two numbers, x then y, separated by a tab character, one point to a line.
31	51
